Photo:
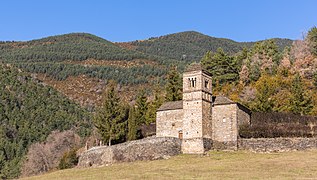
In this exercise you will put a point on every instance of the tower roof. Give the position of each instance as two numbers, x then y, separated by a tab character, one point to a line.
196	67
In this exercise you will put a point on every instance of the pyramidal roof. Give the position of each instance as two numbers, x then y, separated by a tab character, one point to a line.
196	67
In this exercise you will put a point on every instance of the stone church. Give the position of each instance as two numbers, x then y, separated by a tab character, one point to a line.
201	120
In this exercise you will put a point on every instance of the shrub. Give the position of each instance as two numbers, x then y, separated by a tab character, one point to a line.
69	160
272	125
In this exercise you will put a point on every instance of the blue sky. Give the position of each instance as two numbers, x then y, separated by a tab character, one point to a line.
127	20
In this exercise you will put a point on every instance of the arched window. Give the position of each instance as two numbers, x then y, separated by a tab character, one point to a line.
192	82
206	84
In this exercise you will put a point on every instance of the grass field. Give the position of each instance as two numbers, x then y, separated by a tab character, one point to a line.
214	165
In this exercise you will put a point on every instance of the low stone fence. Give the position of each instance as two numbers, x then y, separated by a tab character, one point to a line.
151	148
277	144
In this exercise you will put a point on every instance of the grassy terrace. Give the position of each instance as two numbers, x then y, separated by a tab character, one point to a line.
215	165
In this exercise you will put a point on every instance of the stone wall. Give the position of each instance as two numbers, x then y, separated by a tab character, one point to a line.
145	149
192	122
169	123
224	126
207	119
193	146
277	144
244	117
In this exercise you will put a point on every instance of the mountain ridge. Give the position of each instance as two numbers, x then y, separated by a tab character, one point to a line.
183	43
192	45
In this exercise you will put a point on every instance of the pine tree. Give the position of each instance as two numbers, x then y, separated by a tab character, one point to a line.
174	85
153	106
223	67
111	119
132	126
300	102
142	107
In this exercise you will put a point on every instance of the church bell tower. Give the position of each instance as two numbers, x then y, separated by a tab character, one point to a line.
197	100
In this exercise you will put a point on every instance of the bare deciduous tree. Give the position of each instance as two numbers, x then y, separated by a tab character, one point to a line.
45	156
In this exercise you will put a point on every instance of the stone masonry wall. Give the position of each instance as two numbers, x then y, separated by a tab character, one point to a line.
277	144
145	149
224	126
207	122
192	121
193	146
169	123
243	117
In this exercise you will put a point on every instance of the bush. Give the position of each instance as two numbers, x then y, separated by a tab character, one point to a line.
69	160
272	125
45	156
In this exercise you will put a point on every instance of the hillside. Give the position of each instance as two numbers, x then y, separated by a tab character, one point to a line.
29	111
215	165
74	46
72	63
191	45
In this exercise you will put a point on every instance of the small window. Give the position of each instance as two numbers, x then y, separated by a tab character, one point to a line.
206	84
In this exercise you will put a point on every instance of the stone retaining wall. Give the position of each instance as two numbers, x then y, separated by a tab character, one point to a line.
145	149
277	144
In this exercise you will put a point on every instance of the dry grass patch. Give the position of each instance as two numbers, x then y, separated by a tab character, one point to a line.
216	165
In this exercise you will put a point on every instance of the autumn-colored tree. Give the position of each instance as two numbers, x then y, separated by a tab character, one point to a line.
265	89
45	156
312	40
264	57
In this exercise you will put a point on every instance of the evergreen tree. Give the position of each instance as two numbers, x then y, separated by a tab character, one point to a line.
132	126
223	67
111	119
300	102
174	85
153	106
142	107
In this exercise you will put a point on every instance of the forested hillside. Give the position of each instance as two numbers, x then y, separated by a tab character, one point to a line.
75	46
191	46
80	55
29	111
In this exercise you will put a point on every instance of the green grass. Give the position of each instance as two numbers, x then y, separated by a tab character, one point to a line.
215	165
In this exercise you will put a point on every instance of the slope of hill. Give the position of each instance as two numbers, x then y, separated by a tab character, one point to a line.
29	111
69	57
190	45
74	46
77	54
214	165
